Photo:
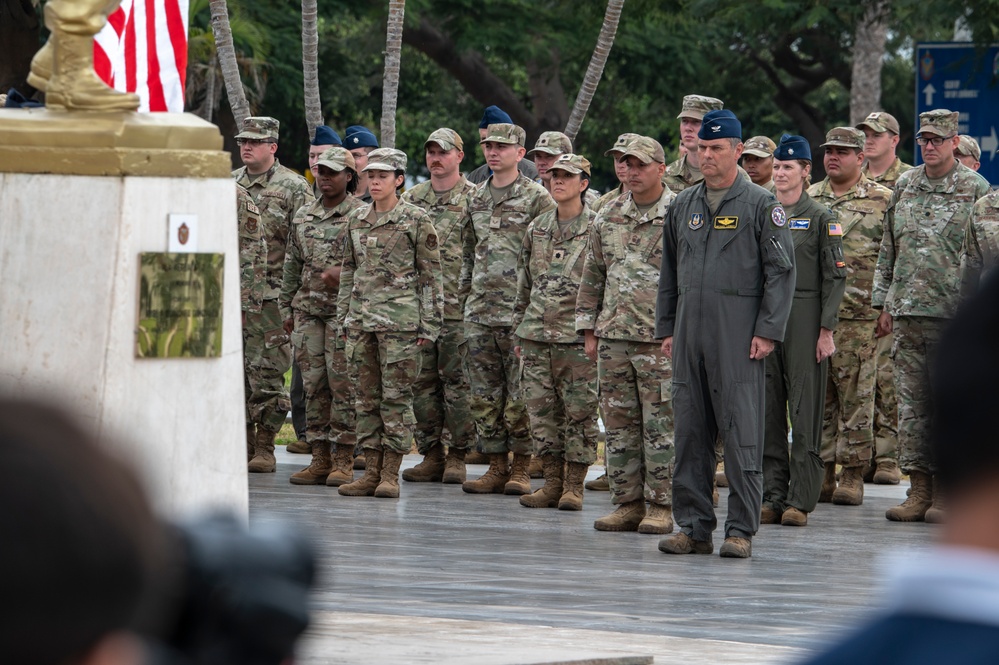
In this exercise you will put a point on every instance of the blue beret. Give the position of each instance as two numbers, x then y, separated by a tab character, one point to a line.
326	136
358	136
720	124
494	115
793	147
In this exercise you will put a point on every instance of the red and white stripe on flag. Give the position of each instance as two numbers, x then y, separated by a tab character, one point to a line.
143	49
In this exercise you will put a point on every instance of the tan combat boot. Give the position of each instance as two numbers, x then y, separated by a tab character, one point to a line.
721	480
599	484
659	519
794	517
768	515
572	487
851	487
681	543
454	466
937	512
626	517
358	459
736	548
828	483
299	447
388	486
520	480
430	470
366	484
475	457
493	480
315	473
918	501
887	473
251	436
263	452
536	468
547	496
342	471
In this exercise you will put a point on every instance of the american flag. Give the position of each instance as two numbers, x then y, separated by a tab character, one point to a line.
143	49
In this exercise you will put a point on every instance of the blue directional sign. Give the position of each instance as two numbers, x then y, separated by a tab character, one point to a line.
964	78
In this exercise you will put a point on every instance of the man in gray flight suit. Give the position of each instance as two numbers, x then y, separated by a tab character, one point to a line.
725	293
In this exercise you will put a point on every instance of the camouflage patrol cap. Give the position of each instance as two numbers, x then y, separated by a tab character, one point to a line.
939	121
337	158
969	146
571	163
879	121
260	128
621	143
759	146
695	106
552	143
505	133
386	159
446	138
646	149
845	137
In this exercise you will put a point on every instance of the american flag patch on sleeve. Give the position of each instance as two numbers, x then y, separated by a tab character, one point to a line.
835	229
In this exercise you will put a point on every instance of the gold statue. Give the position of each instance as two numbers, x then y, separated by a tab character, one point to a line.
64	67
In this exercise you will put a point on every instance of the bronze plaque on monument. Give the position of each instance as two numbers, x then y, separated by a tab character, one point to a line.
180	305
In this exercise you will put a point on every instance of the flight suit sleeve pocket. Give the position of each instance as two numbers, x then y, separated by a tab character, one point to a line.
832	259
778	261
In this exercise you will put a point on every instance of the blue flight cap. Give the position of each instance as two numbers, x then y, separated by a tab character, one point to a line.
720	124
358	136
793	147
326	136
494	115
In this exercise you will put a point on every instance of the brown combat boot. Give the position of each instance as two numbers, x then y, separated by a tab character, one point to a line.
342	471
388	485
475	457
572	487
315	473
681	543
659	519
851	487
721	480
493	480
263	452
454	466
299	447
794	517
768	515
520	480
536	468
547	496
599	484
736	548
366	484
937	512
828	483
430	470
918	501
251	435
887	473
626	517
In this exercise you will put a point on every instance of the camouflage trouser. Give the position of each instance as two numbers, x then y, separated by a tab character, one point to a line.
440	396
916	340
496	406
635	399
560	391
885	405
848	422
385	366
266	358
329	396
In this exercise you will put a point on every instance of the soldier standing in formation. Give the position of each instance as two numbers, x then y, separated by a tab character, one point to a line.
758	162
686	171
797	369
969	152
559	379
278	193
880	142
494	115
980	253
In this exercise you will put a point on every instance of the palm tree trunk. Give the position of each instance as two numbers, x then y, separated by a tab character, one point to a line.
605	40
209	105
310	66
868	57
390	84
227	60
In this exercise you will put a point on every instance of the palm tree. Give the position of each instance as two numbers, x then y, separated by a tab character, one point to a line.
393	55
227	60
310	66
605	40
868	58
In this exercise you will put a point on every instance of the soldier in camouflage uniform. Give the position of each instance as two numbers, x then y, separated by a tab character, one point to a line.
685	171
980	253
758	161
559	380
883	167
278	193
252	253
389	304
917	287
441	392
494	115
308	306
546	150
969	152
615	311
499	211
859	205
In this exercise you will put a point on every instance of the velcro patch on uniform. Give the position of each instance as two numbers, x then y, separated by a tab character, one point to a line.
798	224
778	217
729	222
495	222
252	208
372	241
251	224
541	233
431	241
840	264
835	229
696	221
559	253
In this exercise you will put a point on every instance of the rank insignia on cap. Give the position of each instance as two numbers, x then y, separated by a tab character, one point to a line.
696	221
798	224
790	151
778	217
727	223
835	229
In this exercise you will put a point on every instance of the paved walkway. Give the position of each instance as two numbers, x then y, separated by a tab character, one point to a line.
440	576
